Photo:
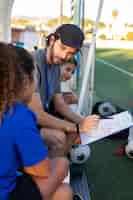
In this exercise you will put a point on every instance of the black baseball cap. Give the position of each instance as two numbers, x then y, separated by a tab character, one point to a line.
70	35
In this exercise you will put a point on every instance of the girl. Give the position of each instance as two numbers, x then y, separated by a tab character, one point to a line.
20	142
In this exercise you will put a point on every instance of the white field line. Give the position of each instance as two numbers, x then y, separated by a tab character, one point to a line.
115	67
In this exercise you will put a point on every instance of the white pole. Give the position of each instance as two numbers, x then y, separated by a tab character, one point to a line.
5	18
91	82
89	60
61	13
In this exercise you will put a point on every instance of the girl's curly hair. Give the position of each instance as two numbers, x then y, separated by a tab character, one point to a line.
12	71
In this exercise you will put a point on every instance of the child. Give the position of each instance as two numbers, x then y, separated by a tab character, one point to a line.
20	142
67	70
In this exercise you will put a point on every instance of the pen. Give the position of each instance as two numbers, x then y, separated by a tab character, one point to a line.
106	117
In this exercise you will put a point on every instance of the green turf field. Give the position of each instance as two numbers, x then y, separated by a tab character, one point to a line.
110	177
110	83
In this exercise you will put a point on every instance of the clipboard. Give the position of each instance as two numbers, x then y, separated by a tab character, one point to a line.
107	127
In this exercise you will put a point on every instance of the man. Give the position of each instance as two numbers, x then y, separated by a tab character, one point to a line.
61	46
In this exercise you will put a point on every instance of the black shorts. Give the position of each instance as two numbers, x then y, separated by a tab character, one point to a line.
25	189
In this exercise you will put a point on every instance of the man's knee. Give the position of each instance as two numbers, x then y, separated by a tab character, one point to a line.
54	135
56	140
64	192
60	144
62	139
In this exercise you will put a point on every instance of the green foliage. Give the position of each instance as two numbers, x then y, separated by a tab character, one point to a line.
102	25
130	35
52	22
115	13
102	37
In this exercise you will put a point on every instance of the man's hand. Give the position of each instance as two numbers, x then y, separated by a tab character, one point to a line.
89	123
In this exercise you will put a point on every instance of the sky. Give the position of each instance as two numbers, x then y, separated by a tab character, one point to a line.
50	8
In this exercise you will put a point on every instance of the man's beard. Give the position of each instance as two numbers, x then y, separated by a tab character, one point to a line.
52	57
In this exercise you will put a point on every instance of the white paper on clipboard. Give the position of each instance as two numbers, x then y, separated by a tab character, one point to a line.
108	127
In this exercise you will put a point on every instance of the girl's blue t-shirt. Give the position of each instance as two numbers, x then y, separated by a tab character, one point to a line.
20	146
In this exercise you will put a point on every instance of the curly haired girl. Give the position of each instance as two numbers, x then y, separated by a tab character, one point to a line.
20	142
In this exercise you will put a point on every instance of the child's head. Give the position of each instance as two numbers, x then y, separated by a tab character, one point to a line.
15	75
67	69
26	75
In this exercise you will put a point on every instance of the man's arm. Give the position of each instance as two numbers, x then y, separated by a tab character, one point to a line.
70	98
47	120
62	108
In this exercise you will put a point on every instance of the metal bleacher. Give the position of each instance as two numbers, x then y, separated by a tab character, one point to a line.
80	186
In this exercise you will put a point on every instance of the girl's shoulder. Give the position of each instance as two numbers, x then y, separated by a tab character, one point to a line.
22	112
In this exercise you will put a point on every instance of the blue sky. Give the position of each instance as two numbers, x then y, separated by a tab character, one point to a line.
50	8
